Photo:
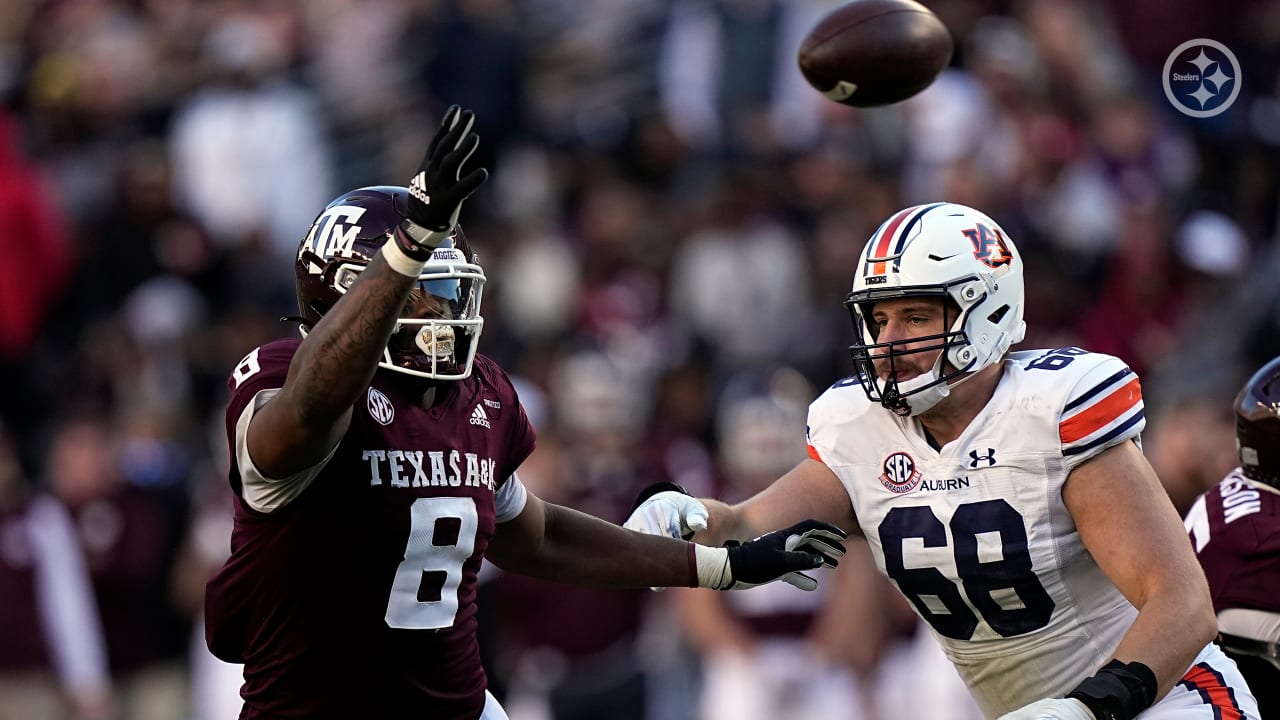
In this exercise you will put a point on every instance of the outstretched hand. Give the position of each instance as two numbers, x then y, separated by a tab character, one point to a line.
778	555
438	189
667	509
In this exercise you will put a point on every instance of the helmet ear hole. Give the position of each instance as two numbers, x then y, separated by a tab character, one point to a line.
998	315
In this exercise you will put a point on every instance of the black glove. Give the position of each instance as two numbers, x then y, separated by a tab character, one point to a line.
437	191
778	555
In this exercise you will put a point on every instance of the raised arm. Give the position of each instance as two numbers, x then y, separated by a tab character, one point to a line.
336	361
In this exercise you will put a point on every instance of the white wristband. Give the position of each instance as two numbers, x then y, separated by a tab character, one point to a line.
399	261
713	567
425	237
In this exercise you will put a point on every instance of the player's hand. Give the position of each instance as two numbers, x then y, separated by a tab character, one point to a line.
1051	709
438	189
667	509
779	555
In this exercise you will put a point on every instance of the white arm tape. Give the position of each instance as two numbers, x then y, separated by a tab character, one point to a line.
400	262
713	567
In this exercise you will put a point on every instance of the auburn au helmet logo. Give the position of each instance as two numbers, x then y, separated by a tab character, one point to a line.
989	246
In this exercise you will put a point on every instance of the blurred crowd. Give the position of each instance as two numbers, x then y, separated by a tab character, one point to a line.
671	225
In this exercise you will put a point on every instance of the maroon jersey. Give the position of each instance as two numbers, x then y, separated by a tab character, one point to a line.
356	598
47	616
126	541
23	648
1235	528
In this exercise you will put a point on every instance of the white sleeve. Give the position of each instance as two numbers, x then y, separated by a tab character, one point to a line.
510	499
1103	409
266	494
1248	623
68	608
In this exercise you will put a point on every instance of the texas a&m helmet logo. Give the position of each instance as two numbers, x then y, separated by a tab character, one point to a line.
334	233
900	473
989	246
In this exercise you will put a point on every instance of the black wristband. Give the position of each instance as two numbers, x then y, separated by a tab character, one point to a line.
654	489
409	245
1118	691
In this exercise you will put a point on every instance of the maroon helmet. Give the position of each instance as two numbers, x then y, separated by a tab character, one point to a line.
341	243
1258	425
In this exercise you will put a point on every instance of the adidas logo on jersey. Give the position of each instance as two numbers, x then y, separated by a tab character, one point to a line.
418	188
478	417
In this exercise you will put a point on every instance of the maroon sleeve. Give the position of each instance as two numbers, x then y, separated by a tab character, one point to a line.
519	433
264	368
523	437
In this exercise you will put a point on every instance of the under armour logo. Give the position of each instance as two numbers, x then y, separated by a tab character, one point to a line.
989	458
418	188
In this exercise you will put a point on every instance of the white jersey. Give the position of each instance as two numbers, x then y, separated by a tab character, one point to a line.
977	536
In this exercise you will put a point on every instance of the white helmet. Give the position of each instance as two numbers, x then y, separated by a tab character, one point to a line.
939	250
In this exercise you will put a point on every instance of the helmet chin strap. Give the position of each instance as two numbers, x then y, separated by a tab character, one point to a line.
918	401
926	399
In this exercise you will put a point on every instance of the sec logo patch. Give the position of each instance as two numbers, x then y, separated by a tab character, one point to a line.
380	408
900	473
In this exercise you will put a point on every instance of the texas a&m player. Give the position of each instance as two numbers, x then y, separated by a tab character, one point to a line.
1235	528
374	466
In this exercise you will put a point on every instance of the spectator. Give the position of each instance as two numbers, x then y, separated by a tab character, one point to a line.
34	245
53	662
127	540
250	160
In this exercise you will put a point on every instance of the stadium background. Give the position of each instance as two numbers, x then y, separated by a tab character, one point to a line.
672	222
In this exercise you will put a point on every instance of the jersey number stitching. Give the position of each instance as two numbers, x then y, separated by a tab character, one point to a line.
981	579
1056	359
423	558
1197	523
247	368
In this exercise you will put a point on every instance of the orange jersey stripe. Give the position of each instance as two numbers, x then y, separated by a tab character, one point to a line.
882	247
1102	413
813	453
1210	687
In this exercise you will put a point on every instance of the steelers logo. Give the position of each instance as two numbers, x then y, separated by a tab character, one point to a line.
1201	78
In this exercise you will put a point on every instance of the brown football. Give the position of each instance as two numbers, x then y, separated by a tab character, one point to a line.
875	52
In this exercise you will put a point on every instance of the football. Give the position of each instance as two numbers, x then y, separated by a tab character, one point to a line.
875	52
